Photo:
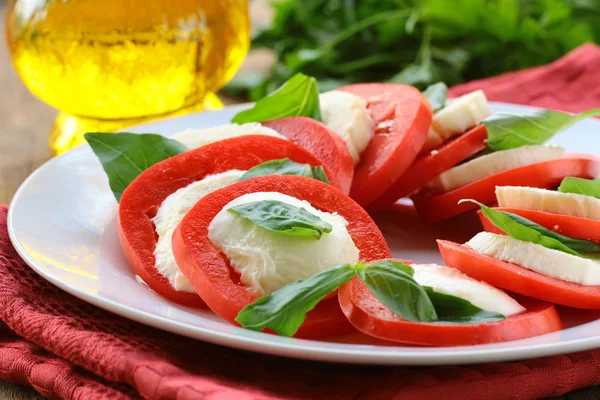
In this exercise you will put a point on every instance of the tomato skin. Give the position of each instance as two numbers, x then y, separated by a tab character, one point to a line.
208	269
431	165
517	279
568	225
373	318
402	117
322	143
546	175
145	194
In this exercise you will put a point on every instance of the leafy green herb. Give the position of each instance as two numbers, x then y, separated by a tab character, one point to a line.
587	187
344	42
284	310
125	155
578	245
282	218
436	94
390	281
457	310
297	97
520	232
286	167
393	284
508	131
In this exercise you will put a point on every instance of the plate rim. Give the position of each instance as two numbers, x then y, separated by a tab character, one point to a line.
297	348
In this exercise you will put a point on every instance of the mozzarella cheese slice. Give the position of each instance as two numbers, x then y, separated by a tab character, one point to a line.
549	262
452	282
576	205
169	215
347	115
461	114
268	260
490	164
194	138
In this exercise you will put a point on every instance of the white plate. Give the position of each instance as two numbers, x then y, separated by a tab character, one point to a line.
62	221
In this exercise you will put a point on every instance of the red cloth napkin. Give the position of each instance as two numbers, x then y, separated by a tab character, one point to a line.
66	348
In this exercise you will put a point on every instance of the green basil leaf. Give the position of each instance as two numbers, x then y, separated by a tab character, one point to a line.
587	187
436	95
393	284
286	167
125	155
458	310
520	232
283	218
578	245
297	97
508	131
284	310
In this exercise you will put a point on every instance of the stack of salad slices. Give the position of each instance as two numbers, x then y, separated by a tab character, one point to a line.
264	220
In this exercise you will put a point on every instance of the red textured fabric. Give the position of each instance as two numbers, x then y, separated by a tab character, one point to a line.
65	348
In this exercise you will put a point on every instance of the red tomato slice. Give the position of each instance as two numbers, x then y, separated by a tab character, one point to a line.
545	175
217	282
518	279
324	144
373	318
574	227
402	117
143	197
429	166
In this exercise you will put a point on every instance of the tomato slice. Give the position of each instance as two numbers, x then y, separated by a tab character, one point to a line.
211	275
402	117
143	197
518	279
546	175
371	317
324	144
574	227
431	165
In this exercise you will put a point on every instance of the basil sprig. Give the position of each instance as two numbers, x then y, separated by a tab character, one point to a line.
283	218
508	131
390	281
297	97
284	311
587	187
436	95
126	155
525	230
286	166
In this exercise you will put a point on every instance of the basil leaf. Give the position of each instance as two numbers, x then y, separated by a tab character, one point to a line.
587	187
458	310
125	155
520	232
578	245
286	167
284	310
393	284
283	218
507	131
297	97
436	95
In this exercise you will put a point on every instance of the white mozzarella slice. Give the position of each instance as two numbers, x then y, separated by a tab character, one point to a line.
347	115
194	138
549	262
268	260
169	215
490	164
461	114
452	282
576	205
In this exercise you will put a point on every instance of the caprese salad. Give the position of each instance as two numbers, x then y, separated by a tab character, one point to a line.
263	220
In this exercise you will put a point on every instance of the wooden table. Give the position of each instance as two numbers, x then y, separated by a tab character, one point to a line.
24	126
